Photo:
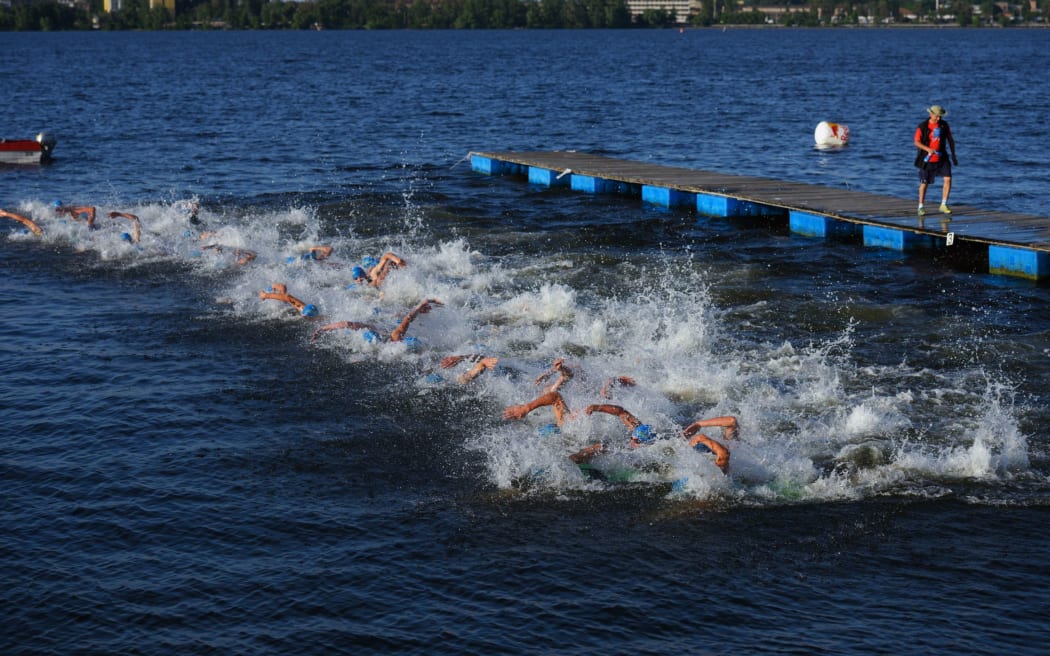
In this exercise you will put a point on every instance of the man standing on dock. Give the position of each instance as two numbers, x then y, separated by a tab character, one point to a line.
933	137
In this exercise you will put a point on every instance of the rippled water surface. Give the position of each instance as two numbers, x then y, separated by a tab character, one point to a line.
189	468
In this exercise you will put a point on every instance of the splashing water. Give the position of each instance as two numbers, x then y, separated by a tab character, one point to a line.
815	425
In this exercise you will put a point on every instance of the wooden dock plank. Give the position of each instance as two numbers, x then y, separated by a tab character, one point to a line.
967	223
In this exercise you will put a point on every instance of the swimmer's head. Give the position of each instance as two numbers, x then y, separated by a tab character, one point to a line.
643	433
369	261
434	378
308	255
358	273
547	430
125	236
57	203
370	336
412	343
309	310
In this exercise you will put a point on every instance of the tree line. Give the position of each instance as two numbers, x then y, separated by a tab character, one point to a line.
48	15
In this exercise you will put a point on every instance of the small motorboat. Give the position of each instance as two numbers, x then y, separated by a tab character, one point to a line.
27	151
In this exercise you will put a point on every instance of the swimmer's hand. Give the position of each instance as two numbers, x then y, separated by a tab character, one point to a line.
515	412
451	361
425	306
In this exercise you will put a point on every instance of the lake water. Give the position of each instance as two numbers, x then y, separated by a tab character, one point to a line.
184	471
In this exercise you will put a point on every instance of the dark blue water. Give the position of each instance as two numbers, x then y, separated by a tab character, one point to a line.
182	470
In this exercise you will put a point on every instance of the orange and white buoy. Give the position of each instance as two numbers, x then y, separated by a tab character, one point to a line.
831	135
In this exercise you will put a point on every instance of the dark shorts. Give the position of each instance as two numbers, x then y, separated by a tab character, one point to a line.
929	172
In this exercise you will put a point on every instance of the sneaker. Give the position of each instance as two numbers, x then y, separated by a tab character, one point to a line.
922	211
945	209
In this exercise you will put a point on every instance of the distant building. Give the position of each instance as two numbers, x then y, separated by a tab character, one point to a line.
110	6
774	13
682	8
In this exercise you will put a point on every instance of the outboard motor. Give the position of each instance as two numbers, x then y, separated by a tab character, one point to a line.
47	145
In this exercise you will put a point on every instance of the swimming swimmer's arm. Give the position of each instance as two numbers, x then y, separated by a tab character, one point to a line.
75	212
728	423
287	298
720	451
279	292
379	272
33	227
423	308
554	399
629	420
135	223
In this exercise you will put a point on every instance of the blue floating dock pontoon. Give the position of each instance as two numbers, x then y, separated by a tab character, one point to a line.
1017	244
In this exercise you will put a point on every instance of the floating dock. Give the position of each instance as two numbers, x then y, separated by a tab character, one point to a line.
1014	244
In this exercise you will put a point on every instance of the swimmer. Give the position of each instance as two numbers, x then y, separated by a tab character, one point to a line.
373	334
730	428
481	365
136	226
76	212
278	292
642	434
34	228
378	271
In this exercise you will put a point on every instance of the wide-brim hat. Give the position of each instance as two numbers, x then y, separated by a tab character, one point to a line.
937	109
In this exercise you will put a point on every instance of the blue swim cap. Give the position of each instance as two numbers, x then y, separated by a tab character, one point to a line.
310	310
369	261
187	233
548	430
125	236
289	259
701	447
411	343
308	255
643	433
358	273
434	378
370	336
57	203
679	484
